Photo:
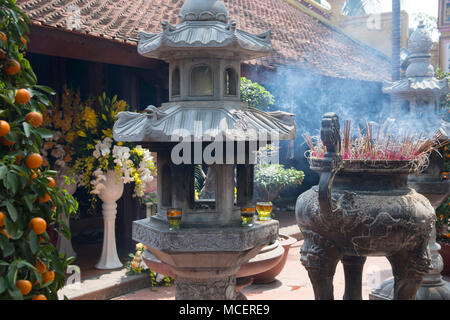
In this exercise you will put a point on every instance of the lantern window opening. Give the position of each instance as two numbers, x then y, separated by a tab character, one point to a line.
176	82
202	83
230	82
166	194
205	186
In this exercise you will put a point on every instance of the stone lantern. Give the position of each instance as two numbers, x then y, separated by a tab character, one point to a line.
419	88
422	91
204	124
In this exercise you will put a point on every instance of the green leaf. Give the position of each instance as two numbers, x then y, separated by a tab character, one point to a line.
46	89
26	129
65	230
44	133
34	242
9	249
3	171
2	285
8	95
12	211
13	229
28	199
15	293
11	182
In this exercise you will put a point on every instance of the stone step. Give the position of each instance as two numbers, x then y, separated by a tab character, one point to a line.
106	286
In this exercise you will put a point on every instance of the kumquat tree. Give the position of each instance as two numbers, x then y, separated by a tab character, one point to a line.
30	266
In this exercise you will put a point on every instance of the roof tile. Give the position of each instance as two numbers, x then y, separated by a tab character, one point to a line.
299	40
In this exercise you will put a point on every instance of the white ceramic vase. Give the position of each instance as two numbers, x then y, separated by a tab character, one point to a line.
64	245
109	195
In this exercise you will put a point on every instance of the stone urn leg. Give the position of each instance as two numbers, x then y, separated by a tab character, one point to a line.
407	279
320	258
353	271
109	195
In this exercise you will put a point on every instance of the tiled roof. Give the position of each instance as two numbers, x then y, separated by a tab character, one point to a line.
299	40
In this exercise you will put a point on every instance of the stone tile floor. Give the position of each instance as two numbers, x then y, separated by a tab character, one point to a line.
291	284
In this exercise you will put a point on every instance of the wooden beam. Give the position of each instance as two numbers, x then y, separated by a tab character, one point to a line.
68	44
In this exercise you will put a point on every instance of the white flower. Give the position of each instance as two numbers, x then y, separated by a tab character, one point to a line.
104	149
98	188
108	140
96	154
122	153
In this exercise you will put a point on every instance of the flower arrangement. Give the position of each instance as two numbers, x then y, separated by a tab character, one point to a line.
137	266
62	118
98	152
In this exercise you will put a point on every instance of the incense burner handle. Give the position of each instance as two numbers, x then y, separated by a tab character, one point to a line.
331	138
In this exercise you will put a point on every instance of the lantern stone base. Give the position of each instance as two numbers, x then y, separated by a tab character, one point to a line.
205	260
433	291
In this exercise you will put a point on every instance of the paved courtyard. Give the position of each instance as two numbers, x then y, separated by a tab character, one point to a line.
291	284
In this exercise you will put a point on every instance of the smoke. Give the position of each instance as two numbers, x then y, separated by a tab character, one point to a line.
309	96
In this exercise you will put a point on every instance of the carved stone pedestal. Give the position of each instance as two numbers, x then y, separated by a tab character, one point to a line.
205	260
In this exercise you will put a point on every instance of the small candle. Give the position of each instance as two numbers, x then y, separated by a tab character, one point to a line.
247	214
174	218
264	211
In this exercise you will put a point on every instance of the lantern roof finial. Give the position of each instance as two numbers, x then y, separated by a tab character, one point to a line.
204	10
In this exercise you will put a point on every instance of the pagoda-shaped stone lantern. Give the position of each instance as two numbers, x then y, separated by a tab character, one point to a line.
422	91
419	87
204	123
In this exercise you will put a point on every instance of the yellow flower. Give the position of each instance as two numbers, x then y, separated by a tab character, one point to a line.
90	146
89	117
120	143
81	133
108	132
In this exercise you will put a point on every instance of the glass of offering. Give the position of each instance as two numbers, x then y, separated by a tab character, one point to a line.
174	218
264	211
247	214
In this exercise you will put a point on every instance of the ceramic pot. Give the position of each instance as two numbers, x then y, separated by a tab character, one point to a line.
157	265
267	258
269	276
109	195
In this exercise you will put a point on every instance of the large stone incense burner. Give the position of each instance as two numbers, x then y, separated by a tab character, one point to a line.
359	209
204	123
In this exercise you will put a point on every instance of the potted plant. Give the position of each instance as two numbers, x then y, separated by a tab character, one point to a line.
270	179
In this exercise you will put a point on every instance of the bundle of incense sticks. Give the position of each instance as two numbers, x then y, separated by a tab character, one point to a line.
382	146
